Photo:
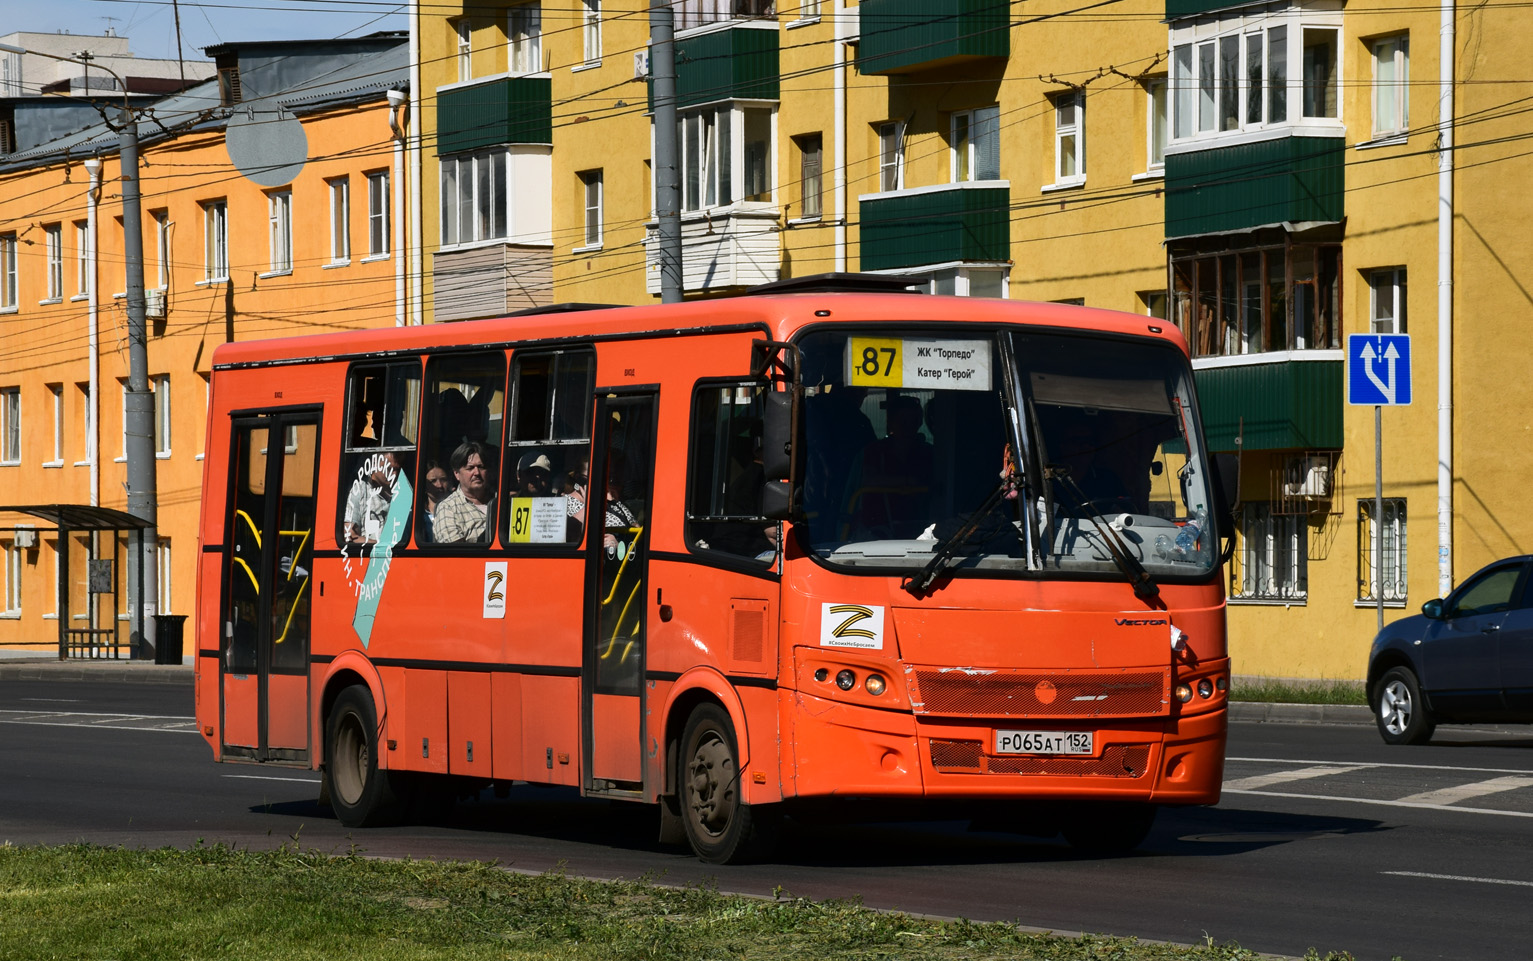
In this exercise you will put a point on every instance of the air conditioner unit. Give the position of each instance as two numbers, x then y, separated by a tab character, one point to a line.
26	538
1308	477
640	64
154	303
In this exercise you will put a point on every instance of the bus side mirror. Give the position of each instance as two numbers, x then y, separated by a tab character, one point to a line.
1225	470
777	436
777	501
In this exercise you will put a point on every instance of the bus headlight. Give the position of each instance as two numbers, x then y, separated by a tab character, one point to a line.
1183	693
874	684
1205	688
846	680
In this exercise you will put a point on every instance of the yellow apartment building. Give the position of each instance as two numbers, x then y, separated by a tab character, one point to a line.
269	206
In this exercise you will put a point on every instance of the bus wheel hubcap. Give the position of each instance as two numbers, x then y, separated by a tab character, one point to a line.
711	788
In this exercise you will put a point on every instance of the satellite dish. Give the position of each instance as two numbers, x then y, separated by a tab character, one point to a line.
266	144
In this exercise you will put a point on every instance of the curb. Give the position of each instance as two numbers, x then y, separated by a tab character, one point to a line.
1262	712
51	669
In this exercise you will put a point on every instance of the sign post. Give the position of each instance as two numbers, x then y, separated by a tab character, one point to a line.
1378	373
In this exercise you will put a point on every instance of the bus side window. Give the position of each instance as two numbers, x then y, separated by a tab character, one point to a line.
548	451
379	452
725	479
464	410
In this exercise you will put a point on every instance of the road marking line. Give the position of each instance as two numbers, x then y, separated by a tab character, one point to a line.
268	777
1457	877
1298	774
1412	767
1463	792
1393	804
157	717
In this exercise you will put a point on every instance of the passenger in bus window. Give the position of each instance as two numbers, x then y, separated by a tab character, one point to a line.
534	477
439	484
621	523
463	517
893	496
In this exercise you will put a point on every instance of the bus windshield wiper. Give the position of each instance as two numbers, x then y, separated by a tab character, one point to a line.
1139	579
920	585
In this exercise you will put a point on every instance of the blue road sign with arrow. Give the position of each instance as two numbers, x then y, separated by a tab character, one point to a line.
1379	369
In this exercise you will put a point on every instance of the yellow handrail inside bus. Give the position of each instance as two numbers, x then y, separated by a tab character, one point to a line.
253	529
297	551
293	609
637	532
250	574
617	628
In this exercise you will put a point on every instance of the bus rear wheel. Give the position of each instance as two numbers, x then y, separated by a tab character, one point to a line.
361	794
1108	827
720	826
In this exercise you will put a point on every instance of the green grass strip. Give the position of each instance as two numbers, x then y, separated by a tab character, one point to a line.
1303	692
87	902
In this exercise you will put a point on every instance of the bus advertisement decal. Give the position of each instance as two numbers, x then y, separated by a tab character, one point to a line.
380	558
852	625
919	363
494	589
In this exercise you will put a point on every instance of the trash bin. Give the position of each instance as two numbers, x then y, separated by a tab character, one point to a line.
167	638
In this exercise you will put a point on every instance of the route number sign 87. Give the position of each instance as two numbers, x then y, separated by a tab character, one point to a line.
876	362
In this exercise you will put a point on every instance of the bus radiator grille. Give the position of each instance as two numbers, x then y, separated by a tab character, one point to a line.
966	757
1063	693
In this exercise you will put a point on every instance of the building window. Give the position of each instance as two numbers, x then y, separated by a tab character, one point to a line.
980	280
591	189
82	258
87	435
891	156
1391	86
701	13
591	18
161	247
1246	301
279	206
474	200
160	384
1238	80
55	244
1070	138
162	565
340	220
724	148
1156	129
1388	300
8	296
10	425
976	144
13	562
215	240
465	35
1319	72
378	213
1153	303
810	180
1274	556
524	28
56	391
1369	577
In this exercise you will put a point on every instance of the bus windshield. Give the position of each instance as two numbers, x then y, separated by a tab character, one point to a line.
1017	450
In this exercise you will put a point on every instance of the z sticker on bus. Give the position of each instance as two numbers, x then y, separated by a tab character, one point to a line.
918	363
852	625
494	589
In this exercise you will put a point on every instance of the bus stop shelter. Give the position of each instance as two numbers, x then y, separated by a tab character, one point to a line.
90	542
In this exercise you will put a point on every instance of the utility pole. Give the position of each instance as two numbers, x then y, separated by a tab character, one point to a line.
662	68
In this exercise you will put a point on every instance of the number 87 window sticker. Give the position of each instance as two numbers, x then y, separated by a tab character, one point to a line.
919	363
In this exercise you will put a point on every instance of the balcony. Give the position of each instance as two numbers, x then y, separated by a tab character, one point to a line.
495	110
735	62
930	225
903	36
1284	400
1288	179
721	248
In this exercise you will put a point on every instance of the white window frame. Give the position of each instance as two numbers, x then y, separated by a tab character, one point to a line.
590	17
163	567
13	565
891	156
160	385
1274	556
592	194
57	390
54	234
524	38
481	209
955	278
215	241
1157	124
378	213
279	214
162	225
811	176
1387	301
10	426
1395	581
714	166
974	144
1070	131
8	296
339	189
82	259
87	436
464	31
1391	86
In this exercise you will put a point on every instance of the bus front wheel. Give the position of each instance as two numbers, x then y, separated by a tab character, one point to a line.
720	826
361	794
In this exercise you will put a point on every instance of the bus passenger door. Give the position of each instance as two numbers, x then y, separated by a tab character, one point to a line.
268	557
617	568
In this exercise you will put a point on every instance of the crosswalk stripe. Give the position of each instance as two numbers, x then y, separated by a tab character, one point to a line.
1257	781
1462	792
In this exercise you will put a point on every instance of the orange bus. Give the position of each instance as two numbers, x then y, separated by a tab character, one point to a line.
737	559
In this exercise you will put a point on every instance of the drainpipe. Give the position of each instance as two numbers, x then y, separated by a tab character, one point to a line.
1445	304
417	250
839	175
92	405
397	99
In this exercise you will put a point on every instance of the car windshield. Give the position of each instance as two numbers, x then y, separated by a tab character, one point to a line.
1016	450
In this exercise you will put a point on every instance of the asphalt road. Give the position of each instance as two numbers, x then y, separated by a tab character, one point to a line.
1326	838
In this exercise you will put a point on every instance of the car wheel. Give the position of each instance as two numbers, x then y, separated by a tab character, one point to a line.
1398	708
720	826
360	793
